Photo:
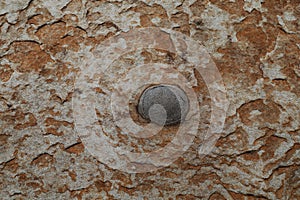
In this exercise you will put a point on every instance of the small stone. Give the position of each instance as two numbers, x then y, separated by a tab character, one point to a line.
163	104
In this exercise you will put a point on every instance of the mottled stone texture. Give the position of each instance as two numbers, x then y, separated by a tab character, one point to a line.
255	45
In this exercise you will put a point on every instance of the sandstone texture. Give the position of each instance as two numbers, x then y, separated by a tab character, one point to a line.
44	46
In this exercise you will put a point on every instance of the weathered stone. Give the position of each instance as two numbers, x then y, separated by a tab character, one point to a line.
44	45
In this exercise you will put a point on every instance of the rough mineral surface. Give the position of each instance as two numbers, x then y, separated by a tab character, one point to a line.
255	44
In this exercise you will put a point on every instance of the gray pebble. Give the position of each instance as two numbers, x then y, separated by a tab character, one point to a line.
163	104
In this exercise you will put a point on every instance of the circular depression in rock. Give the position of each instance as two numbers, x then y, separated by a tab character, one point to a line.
163	104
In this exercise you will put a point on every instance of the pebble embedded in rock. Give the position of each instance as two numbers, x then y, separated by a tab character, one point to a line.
163	104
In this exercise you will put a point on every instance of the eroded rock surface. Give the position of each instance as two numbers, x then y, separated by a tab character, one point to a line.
256	47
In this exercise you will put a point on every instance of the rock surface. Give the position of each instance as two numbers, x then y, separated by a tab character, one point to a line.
256	47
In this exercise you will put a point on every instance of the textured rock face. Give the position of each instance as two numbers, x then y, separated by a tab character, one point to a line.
254	44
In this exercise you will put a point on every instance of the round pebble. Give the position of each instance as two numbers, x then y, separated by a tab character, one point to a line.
163	104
